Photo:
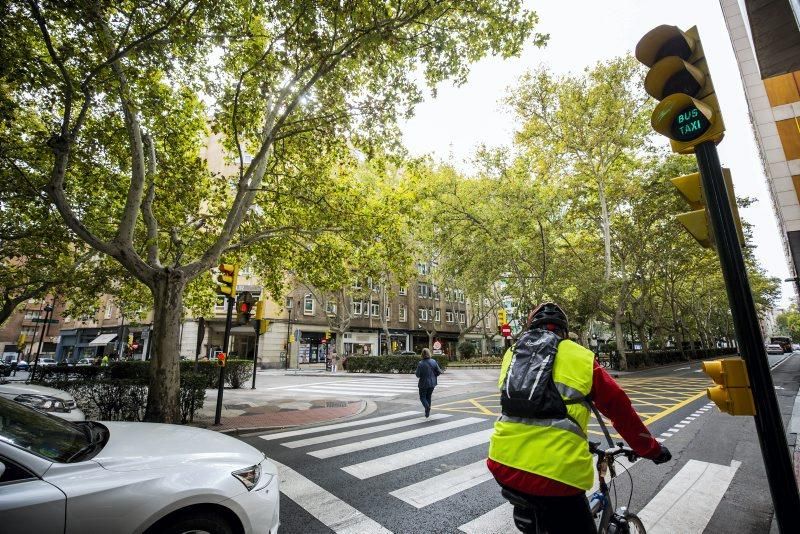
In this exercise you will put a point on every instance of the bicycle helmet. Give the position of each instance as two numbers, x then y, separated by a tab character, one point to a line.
548	316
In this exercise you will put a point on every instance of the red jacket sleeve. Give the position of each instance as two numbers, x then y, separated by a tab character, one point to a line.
612	402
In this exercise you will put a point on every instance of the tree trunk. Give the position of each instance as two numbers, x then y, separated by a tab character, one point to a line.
643	339
601	195
623	360
164	392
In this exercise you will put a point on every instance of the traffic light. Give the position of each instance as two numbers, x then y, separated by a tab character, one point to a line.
244	308
688	112
221	359
263	324
229	274
696	222
502	317
732	394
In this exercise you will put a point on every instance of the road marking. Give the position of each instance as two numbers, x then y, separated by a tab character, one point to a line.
315	429
680	369
347	392
385	464
359	432
333	512
660	440
666	434
483	409
497	521
687	502
680	426
674	408
673	429
442	486
394	438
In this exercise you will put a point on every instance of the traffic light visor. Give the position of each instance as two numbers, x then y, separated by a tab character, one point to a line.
663	41
713	369
227	268
674	75
690	188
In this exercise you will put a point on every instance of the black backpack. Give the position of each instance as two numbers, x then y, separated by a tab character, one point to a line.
529	390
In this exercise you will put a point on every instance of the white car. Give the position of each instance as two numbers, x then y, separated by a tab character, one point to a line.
58	476
51	400
47	362
83	362
774	348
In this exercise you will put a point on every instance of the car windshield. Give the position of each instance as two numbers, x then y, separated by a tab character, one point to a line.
41	434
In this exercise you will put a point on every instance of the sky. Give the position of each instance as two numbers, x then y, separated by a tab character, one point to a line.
451	126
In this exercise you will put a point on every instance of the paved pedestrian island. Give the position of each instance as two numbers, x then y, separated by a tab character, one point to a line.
279	414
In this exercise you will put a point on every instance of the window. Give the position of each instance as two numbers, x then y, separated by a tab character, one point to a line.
369	283
423	314
438	315
356	284
109	310
448	316
356	307
288	304
32	315
330	308
462	318
448	293
375	308
403	313
403	290
422	268
422	290
435	292
308	304
388	312
459	295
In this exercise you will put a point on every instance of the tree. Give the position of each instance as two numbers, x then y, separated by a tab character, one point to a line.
789	323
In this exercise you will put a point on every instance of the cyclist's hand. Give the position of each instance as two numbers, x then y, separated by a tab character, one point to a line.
663	457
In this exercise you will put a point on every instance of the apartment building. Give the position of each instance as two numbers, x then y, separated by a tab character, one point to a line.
25	330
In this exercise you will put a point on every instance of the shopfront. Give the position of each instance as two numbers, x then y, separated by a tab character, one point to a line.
313	348
398	342
361	343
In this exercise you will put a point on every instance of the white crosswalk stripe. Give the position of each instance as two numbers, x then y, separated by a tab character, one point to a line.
360	432
368	387
394	438
336	426
442	486
410	457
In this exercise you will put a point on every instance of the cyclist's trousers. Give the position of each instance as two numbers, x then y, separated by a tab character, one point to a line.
564	515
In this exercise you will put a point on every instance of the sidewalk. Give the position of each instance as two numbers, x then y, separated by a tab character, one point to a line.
246	410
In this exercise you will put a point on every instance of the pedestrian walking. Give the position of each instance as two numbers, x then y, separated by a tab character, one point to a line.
104	361
14	368
427	371
334	361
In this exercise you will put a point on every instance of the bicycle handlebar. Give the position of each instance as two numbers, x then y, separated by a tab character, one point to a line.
620	450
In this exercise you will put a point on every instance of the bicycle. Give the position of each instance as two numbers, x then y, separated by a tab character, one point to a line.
611	521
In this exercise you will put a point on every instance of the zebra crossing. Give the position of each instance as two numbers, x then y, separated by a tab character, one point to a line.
377	387
344	477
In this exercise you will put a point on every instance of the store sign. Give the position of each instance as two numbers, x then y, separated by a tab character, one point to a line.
505	330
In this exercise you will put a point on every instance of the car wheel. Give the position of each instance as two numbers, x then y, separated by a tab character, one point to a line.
193	523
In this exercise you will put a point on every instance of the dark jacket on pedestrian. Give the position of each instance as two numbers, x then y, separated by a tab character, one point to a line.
427	371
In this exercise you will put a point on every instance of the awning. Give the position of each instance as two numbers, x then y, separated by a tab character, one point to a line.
102	340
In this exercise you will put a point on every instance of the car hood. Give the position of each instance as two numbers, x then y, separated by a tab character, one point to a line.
20	388
141	446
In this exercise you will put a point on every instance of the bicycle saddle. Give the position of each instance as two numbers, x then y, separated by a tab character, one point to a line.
515	498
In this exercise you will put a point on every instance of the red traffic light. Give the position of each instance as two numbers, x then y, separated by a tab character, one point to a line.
245	307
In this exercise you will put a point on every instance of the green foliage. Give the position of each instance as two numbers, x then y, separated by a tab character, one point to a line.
640	360
479	360
386	364
467	349
789	323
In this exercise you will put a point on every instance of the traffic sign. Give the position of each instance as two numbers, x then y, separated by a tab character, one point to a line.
505	330
437	345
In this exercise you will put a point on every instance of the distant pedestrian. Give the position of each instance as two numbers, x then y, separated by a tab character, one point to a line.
427	371
14	368
334	361
104	361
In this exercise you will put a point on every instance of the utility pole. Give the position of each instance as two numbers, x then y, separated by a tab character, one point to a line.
225	340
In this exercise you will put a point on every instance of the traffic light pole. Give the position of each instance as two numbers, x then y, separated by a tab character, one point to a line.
769	424
225	339
257	326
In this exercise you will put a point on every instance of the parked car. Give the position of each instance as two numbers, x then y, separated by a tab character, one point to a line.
58	476
50	400
84	362
774	348
22	365
47	362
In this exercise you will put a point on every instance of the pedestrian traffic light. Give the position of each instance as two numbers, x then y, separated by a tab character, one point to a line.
697	222
229	274
221	359
244	307
688	112
502	317
732	394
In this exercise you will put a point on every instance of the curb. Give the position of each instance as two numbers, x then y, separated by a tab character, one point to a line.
365	409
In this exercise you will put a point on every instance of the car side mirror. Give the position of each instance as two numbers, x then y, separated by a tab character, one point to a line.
2	470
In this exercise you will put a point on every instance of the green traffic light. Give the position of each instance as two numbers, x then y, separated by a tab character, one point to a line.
689	124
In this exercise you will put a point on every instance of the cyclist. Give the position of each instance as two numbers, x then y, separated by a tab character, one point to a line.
539	447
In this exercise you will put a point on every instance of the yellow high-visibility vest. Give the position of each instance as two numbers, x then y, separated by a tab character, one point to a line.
554	448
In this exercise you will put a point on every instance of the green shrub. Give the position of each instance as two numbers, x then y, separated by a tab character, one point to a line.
386	364
482	360
193	394
467	349
238	372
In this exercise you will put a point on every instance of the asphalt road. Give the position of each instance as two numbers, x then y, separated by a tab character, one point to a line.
394	471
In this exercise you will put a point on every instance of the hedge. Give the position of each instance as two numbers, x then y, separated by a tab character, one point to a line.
386	364
237	372
640	359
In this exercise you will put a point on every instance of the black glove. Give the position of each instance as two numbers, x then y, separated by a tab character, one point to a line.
663	457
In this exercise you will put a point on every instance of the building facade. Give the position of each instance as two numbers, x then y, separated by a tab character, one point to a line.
24	331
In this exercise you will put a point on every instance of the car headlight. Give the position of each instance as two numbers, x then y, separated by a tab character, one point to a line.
249	476
45	403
